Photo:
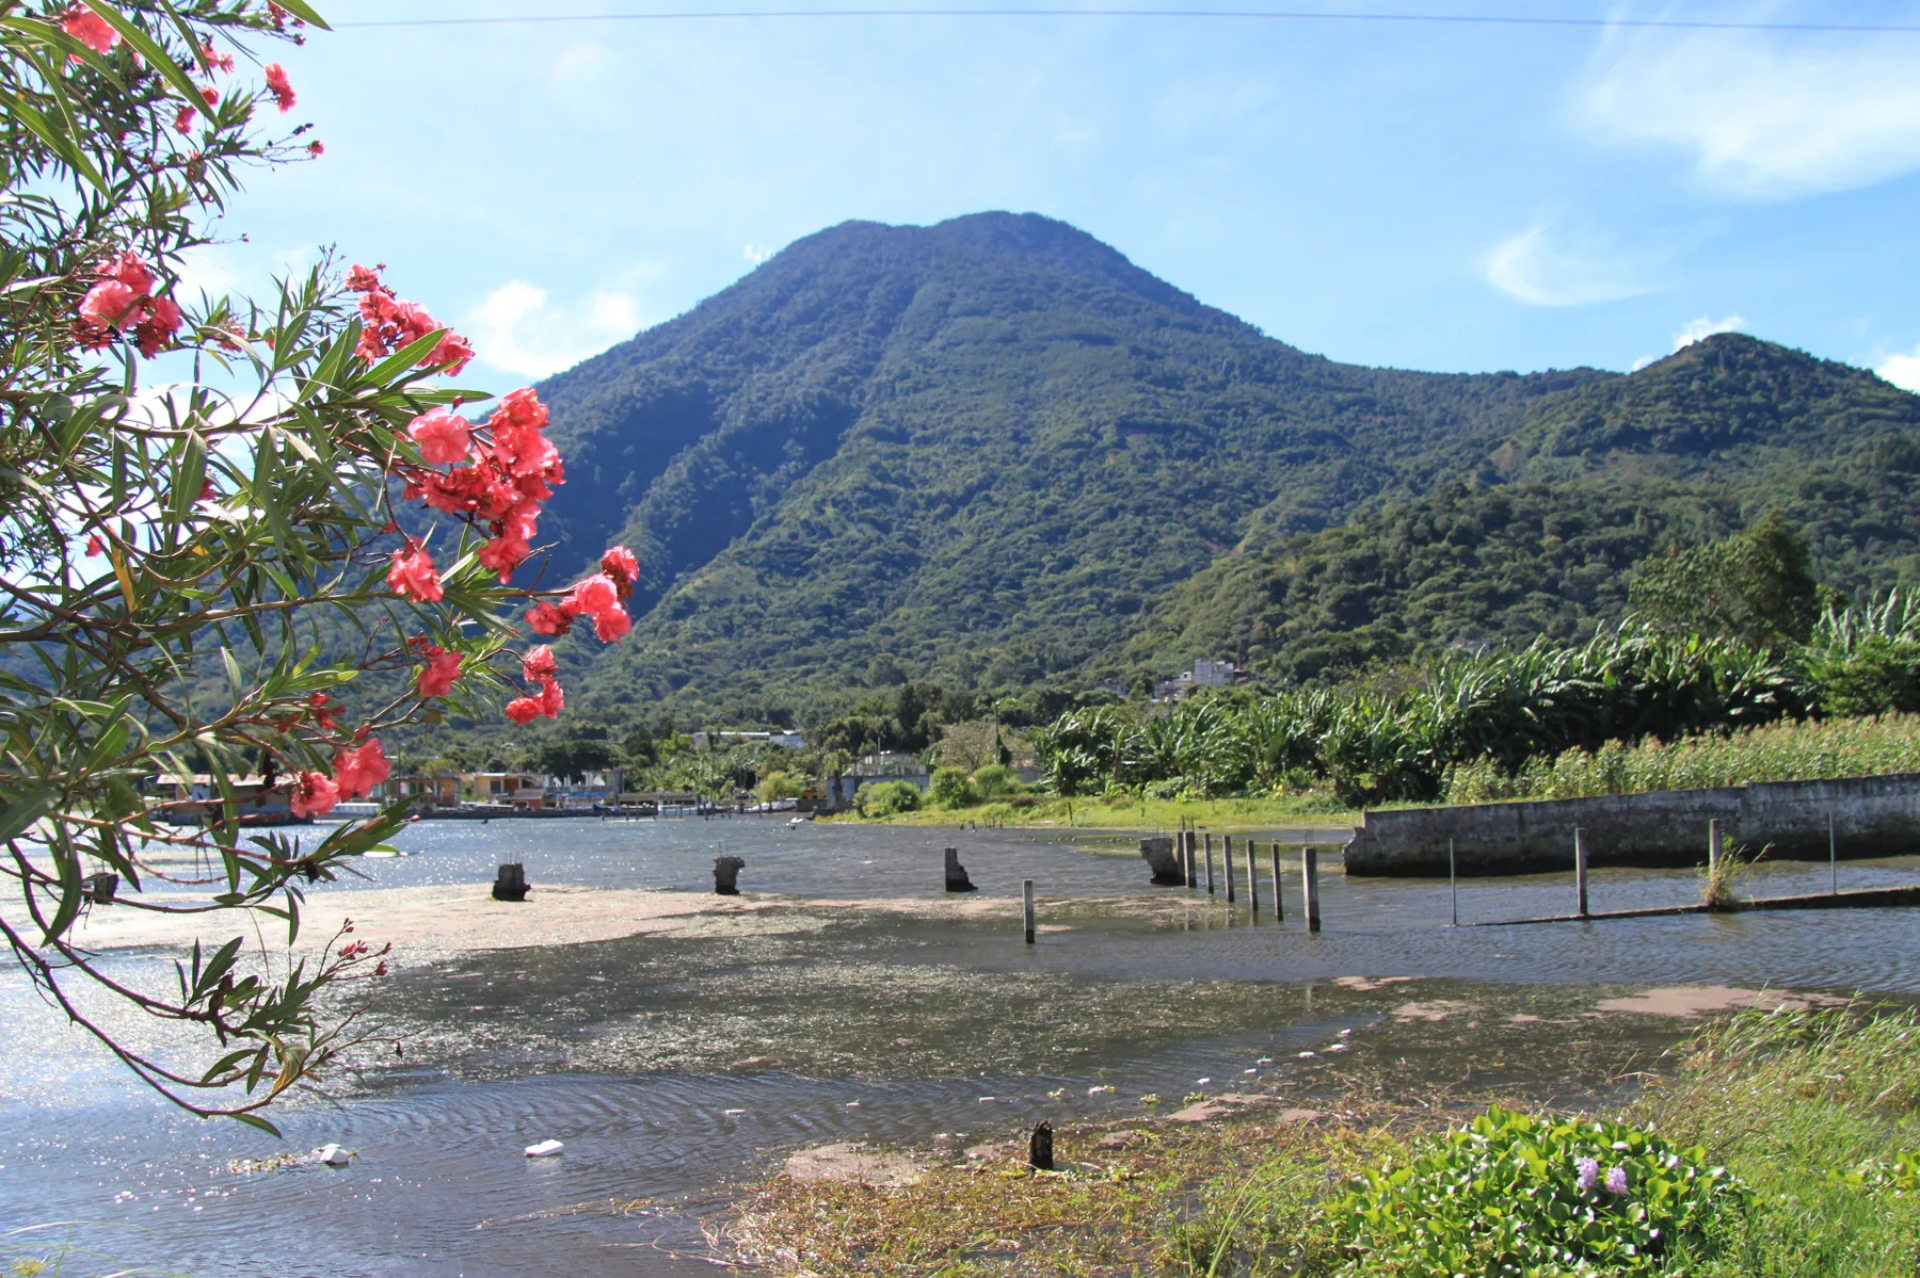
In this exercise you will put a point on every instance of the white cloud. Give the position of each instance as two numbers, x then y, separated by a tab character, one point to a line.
1695	329
755	254
1763	117
1544	267
1902	370
518	330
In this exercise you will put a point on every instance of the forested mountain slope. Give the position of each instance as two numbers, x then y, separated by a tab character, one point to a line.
983	451
1689	449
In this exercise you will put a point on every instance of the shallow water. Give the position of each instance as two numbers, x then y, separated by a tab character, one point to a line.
821	1023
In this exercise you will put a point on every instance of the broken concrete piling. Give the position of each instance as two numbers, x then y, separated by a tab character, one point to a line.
957	880
510	883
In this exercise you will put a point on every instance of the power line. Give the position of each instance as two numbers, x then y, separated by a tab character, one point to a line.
1263	15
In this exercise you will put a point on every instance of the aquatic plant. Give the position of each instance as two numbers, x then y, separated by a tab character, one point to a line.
1511	1194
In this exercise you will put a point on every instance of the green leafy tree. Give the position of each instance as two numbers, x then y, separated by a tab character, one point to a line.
1756	586
950	788
177	565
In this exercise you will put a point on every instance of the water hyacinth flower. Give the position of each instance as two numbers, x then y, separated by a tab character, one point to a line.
1617	1182
1589	1174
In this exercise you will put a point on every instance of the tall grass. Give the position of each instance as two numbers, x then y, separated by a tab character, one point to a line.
1804	751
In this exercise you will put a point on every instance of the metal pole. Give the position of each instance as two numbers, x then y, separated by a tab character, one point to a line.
1279	902
1453	882
1833	856
1580	869
1026	905
1227	852
1713	847
1310	873
1209	864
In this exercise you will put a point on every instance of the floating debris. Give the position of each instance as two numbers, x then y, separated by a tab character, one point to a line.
545	1149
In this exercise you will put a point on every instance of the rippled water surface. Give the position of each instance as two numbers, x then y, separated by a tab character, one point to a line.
671	1065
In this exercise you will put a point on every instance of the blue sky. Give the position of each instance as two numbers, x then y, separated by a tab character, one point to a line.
1459	198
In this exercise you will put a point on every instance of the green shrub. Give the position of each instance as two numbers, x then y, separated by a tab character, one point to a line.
1516	1195
997	781
951	789
885	798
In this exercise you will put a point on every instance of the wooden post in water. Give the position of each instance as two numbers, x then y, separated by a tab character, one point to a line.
1310	876
1193	870
1580	870
1209	865
1713	849
1253	883
1453	882
1279	904
1228	853
1026	906
1833	857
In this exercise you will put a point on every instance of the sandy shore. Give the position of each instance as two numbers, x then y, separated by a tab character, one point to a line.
468	918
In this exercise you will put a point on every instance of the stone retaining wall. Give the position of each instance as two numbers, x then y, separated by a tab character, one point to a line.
1872	816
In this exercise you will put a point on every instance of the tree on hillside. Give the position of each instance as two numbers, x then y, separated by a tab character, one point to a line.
1756	586
197	498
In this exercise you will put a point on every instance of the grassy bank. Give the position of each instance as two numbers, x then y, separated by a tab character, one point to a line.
1777	752
1129	812
1768	1146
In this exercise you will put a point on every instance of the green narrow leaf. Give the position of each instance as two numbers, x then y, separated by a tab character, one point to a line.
57	142
254	1120
406	357
305	13
23	812
150	49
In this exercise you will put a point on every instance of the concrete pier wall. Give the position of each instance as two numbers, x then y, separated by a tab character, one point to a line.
1872	816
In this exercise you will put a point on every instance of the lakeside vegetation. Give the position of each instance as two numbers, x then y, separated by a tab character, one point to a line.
1128	812
1770	1145
1809	751
1729	641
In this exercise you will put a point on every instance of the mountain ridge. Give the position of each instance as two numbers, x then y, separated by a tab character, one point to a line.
986	450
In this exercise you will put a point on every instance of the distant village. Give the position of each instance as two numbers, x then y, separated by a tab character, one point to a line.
482	795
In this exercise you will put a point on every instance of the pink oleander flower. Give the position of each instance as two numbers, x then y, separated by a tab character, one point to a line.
316	148
111	305
443	437
412	574
538	664
363	279
552	700
612	625
503	555
356	772
155	333
89	28
593	596
620	565
546	619
129	270
218	61
278	85
437	676
523	710
314	794
94	547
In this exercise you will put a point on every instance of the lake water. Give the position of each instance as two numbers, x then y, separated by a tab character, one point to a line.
674	1066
